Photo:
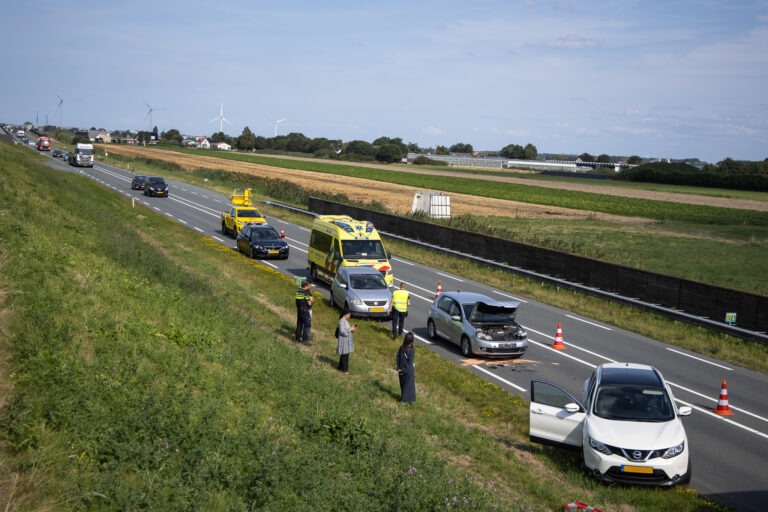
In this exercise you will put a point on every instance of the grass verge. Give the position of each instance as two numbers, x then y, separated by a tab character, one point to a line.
152	368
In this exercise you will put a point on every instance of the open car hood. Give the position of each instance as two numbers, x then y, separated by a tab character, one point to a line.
497	308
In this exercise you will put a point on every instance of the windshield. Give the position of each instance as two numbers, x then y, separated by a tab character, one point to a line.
247	213
363	249
84	151
158	182
264	234
367	282
633	403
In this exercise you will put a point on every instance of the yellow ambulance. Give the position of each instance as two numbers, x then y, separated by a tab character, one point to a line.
341	241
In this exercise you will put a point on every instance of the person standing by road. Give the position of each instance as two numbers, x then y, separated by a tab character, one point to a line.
346	344
304	300
406	369
398	308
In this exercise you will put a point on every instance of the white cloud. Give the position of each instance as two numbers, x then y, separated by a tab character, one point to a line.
572	42
763	18
433	130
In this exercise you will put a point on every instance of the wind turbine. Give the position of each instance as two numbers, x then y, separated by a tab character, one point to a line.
220	118
60	110
149	113
277	123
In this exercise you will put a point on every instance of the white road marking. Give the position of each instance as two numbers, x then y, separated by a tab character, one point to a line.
198	229
196	206
721	418
403	261
590	323
182	221
168	214
560	352
420	338
219	239
505	381
204	196
569	345
510	296
156	208
416	286
700	359
450	277
296	241
268	263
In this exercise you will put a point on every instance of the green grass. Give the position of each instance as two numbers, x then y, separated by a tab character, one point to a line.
151	368
659	210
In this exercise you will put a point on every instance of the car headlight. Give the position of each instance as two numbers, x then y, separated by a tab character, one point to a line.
389	271
258	247
522	333
482	335
598	446
357	302
674	451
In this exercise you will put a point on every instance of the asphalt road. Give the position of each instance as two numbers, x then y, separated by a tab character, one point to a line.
728	453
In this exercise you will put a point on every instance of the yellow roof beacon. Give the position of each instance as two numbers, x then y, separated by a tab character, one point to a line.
341	241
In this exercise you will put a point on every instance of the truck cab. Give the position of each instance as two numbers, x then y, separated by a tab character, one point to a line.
82	156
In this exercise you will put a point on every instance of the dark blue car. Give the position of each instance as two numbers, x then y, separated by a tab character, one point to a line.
260	242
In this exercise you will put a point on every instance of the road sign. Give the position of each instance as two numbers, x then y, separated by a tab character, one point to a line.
730	318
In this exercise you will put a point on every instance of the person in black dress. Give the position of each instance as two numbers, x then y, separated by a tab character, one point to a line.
405	369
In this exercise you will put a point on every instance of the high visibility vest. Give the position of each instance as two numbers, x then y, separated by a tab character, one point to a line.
400	300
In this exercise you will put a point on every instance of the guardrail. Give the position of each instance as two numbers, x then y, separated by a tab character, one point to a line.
675	314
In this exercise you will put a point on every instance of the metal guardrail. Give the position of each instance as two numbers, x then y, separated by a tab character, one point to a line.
682	316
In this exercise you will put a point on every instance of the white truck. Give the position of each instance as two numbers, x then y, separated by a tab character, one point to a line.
20	133
82	156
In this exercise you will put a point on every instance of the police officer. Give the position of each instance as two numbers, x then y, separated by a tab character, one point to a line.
304	300
398	308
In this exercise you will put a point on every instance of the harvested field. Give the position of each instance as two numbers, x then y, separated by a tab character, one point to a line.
396	197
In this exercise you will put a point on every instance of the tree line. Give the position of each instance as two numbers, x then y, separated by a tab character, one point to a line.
733	174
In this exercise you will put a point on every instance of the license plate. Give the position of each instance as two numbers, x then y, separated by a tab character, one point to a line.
376	310
274	252
637	469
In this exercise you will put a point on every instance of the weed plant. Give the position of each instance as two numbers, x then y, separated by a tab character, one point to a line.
153	369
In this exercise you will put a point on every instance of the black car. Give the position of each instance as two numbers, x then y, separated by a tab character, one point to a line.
260	241
137	183
57	153
155	186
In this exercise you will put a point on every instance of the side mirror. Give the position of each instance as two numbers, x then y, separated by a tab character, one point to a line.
571	408
456	318
389	255
342	285
685	410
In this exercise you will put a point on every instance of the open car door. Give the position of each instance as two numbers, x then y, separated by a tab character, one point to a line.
556	417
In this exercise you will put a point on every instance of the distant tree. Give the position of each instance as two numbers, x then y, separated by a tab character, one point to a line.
246	140
278	143
221	137
297	142
604	159
360	148
143	137
514	151
634	160
389	153
530	152
562	157
413	147
460	147
260	142
441	150
381	141
173	135
154	132
80	139
317	144
586	157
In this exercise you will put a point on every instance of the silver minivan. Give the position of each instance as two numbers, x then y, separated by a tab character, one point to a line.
362	290
477	324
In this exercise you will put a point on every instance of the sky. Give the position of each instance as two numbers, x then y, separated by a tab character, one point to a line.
671	79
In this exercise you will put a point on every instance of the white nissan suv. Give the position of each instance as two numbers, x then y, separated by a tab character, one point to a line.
627	426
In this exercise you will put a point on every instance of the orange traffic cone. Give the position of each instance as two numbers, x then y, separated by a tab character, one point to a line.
439	289
722	403
559	338
282	233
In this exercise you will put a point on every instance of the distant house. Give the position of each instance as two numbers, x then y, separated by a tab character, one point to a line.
222	146
99	135
133	140
203	143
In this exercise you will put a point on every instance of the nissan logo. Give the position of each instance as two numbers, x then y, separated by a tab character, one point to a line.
637	454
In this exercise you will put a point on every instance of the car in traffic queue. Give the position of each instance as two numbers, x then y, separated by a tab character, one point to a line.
57	153
627	426
361	290
478	324
137	183
155	186
233	220
260	241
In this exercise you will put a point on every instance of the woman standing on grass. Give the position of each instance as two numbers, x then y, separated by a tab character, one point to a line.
346	345
405	369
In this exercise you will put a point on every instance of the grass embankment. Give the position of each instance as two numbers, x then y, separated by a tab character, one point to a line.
149	367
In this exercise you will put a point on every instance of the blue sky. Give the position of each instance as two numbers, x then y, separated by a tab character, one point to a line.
671	78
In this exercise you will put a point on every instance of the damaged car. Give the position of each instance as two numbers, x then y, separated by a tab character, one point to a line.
478	324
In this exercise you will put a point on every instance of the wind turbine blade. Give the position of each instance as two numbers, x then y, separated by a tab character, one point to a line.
213	120
226	121
148	114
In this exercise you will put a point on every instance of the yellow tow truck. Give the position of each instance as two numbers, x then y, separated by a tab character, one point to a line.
241	212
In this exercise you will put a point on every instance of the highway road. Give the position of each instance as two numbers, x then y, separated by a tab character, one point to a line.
729	454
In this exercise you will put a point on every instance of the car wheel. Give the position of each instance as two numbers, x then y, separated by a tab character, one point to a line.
333	298
313	273
253	255
431	331
223	228
466	347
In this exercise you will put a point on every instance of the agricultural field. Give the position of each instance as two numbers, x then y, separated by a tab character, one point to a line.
147	367
723	246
